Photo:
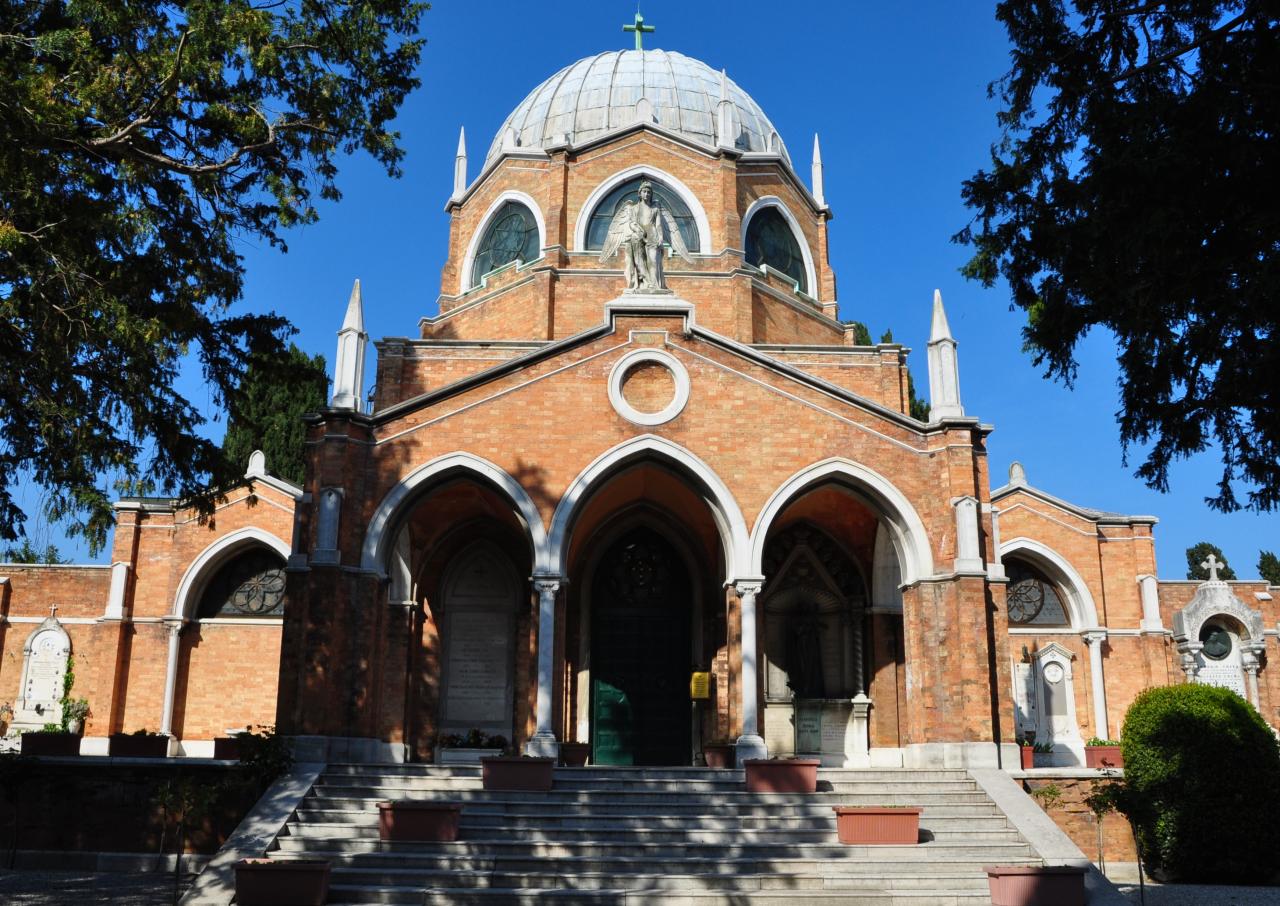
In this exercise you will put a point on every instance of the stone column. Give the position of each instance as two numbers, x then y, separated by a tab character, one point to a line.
1249	661
175	626
544	741
1094	639
750	743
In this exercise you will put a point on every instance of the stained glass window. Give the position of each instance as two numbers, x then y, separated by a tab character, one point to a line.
770	241
1032	598
251	585
602	216
512	236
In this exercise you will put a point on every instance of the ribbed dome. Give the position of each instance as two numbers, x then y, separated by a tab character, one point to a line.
599	94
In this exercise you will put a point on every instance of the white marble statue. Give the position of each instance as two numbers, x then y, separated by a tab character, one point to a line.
640	229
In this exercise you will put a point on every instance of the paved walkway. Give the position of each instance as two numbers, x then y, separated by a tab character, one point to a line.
1125	876
86	888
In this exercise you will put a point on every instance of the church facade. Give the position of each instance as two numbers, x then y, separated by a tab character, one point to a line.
635	486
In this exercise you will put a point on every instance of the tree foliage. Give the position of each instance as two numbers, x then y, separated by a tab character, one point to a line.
139	143
1128	193
276	393
1269	567
28	552
1198	554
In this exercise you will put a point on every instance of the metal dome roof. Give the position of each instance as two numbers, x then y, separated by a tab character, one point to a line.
599	94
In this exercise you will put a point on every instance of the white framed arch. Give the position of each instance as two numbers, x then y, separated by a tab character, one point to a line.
212	557
1080	607
376	551
464	279
686	195
773	201
724	508
906	528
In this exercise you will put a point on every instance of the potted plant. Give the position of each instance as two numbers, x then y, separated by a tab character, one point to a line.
282	882
138	744
1036	885
877	825
781	775
74	713
719	754
575	754
1042	753
469	748
418	821
50	740
520	772
1103	753
1026	752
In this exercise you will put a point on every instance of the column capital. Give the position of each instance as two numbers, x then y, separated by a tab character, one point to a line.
1094	636
175	625
548	585
748	586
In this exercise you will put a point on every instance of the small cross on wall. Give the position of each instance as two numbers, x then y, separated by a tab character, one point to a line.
53	611
640	29
1212	565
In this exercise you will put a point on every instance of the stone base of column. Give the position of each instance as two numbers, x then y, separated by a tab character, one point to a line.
858	737
750	747
543	745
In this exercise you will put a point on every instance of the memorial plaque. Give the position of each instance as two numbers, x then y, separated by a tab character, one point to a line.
44	672
1228	676
808	728
478	667
835	724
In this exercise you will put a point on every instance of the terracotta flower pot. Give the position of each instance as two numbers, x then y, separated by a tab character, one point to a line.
781	775
50	744
521	774
1103	757
126	745
1028	756
429	822
719	755
226	748
574	754
877	826
282	882
1036	885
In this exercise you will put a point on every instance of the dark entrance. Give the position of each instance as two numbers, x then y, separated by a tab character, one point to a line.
641	605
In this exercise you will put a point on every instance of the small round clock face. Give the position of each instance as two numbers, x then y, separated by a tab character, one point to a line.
1053	673
1217	642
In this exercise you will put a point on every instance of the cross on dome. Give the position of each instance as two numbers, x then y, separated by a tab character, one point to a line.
639	28
1212	565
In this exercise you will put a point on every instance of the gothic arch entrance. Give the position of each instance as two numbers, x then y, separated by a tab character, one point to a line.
641	607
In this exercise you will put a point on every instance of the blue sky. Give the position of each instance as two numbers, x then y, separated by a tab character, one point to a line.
897	93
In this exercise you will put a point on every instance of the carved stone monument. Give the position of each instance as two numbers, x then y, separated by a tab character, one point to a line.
44	668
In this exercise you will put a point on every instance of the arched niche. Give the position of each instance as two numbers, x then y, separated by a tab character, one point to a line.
502	207
205	566
771	236
663	182
1067	581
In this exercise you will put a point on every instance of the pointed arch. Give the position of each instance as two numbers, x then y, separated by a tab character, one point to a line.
1080	607
375	553
724	508
219	552
906	528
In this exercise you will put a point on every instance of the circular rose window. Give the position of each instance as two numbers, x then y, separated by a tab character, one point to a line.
648	387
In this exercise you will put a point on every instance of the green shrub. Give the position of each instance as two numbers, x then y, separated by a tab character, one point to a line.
1202	785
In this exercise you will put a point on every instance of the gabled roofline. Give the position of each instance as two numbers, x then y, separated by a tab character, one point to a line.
1089	515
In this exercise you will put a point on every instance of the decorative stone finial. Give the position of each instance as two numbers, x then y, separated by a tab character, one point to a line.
257	465
816	172
944	368
460	164
644	111
724	114
1017	474
348	370
1212	565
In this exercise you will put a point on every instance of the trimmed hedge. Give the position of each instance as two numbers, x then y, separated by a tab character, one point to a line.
1202	785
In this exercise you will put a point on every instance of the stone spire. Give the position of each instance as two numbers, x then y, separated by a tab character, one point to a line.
348	371
816	181
460	165
944	369
724	114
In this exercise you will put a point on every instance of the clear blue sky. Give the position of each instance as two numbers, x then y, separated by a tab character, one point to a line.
897	93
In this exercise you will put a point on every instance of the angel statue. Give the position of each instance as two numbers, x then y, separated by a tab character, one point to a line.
640	228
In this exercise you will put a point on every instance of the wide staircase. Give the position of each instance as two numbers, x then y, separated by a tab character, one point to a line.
669	836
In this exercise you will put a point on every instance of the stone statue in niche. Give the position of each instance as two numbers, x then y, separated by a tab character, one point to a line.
804	652
640	229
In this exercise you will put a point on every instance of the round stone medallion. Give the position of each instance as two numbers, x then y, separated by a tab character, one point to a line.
648	387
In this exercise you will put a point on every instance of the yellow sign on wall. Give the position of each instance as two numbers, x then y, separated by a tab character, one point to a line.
700	685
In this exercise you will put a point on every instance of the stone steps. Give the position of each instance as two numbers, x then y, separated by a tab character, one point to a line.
650	836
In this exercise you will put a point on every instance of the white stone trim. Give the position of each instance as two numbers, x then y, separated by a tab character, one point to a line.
376	551
464	279
215	555
678	373
773	201
724	508
1080	607
906	528
686	195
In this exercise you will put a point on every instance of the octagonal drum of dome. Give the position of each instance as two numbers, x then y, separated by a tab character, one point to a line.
597	95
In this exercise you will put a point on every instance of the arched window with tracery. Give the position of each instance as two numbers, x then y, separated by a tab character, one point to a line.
1033	599
771	241
512	235
249	585
602	216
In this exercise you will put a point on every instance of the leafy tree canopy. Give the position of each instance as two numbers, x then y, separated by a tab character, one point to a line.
1269	567
27	552
1198	554
276	394
1128	192
139	143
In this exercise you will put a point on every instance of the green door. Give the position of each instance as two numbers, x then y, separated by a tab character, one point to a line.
640	655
